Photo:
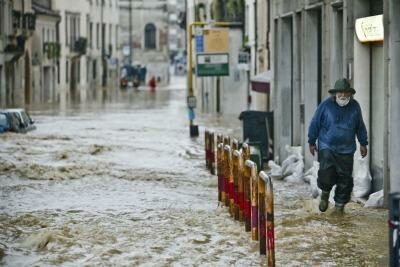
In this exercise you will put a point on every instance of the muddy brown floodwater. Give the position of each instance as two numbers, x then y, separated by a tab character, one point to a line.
117	181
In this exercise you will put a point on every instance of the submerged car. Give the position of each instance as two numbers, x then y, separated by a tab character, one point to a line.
16	120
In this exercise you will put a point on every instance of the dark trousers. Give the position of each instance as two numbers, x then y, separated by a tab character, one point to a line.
336	169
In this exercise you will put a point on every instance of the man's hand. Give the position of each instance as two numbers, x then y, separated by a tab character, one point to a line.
363	151
313	148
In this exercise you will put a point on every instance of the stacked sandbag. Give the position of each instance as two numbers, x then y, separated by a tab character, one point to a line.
362	179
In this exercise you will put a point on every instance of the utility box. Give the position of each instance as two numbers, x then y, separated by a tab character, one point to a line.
258	130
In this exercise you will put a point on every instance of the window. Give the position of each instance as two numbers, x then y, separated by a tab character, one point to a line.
66	30
110	35
98	35
150	36
91	34
2	17
116	37
94	69
66	71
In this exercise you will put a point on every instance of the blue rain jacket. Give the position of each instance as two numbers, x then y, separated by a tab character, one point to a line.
336	127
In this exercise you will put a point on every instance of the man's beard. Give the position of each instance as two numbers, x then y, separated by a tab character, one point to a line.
343	101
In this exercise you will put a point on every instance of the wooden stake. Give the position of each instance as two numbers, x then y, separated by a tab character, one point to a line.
246	188
236	174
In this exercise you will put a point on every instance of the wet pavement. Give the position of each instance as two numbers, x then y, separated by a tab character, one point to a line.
117	181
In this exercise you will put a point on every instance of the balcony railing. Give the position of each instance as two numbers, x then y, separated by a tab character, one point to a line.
52	49
25	21
80	46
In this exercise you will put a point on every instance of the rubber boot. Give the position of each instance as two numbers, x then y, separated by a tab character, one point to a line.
324	202
339	209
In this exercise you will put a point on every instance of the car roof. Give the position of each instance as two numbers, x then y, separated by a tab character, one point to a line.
15	110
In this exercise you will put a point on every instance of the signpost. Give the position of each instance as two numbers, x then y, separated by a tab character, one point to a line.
212	64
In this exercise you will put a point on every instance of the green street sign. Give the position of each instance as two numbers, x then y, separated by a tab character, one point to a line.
212	64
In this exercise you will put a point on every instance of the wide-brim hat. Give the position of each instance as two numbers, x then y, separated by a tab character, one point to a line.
342	85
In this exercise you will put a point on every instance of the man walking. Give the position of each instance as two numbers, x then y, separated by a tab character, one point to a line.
336	123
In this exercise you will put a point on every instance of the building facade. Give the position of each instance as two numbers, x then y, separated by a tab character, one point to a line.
17	24
45	53
88	35
215	94
146	42
317	42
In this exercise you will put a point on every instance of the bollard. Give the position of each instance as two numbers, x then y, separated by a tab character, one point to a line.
394	229
212	153
240	179
262	178
246	188
219	165
227	175
235	144
254	198
225	171
206	147
236	173
220	173
269	210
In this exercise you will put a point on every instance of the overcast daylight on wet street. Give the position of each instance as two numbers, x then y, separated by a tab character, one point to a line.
120	182
199	133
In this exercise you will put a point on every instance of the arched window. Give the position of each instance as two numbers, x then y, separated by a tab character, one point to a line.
150	36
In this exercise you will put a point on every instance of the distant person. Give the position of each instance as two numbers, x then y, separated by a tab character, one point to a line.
336	123
152	84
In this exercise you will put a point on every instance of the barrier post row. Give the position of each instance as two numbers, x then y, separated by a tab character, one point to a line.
220	174
246	188
236	174
269	211
240	186
394	229
206	148
212	153
254	199
227	171
230	181
261	213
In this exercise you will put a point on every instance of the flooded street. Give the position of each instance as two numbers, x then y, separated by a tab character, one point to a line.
120	183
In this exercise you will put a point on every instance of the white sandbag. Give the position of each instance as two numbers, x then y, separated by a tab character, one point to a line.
375	200
275	170
290	163
287	163
362	179
297	169
315	191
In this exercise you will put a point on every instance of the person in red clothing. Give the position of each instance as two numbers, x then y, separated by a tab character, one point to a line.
152	84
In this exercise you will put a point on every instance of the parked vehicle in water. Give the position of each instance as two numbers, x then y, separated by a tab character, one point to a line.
132	75
16	120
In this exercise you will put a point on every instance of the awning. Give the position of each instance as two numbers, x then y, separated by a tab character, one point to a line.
261	82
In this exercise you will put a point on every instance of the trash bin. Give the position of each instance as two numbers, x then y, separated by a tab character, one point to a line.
258	131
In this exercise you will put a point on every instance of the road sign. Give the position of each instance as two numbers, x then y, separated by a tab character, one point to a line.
199	44
243	61
212	64
216	41
191	102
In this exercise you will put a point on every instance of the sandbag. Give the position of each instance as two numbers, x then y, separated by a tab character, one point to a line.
275	170
362	179
375	200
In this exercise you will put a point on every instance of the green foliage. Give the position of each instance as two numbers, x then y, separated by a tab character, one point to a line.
227	10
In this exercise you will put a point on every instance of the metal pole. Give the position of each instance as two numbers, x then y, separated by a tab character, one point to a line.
130	33
103	60
394	221
190	64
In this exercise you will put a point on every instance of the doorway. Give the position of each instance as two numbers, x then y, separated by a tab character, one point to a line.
27	79
377	112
